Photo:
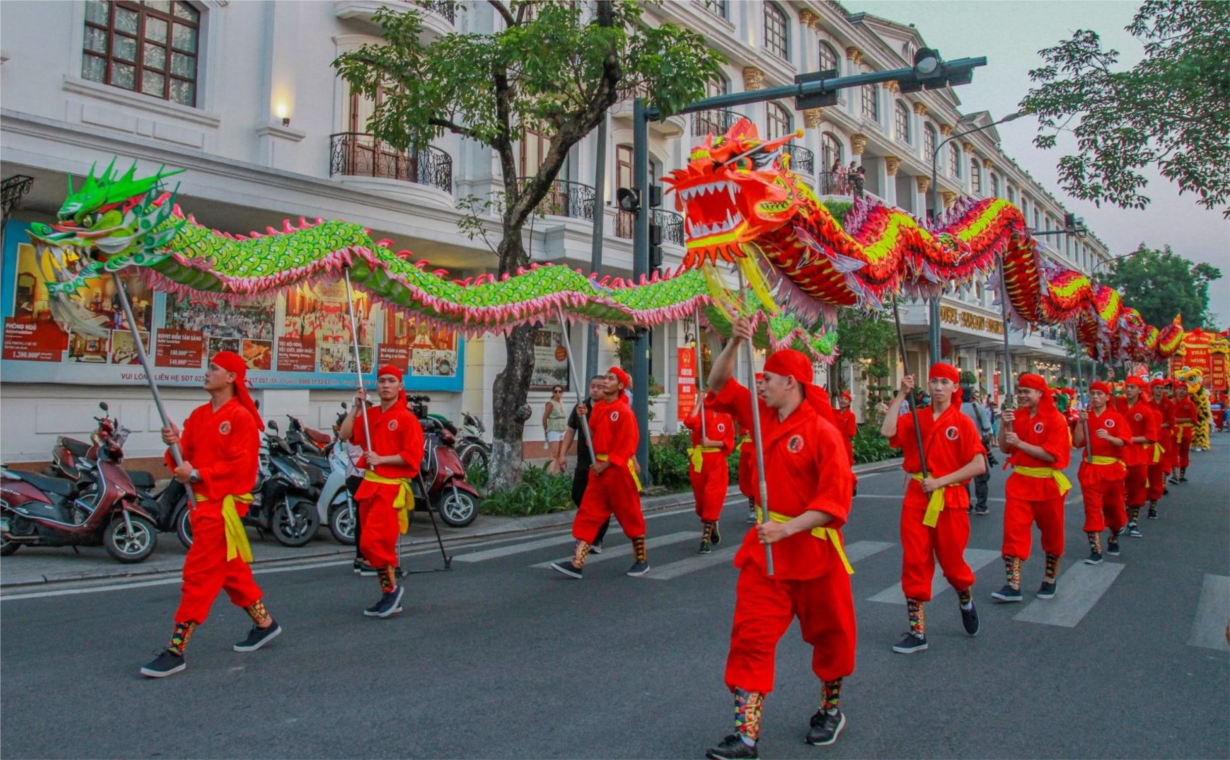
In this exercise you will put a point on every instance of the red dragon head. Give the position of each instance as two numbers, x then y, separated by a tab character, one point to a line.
733	191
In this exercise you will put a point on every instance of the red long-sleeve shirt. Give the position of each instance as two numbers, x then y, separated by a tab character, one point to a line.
614	430
1114	424
718	427
1143	420
950	443
224	449
1050	431
395	431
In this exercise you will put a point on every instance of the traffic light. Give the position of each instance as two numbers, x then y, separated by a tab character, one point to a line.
655	245
931	72
821	99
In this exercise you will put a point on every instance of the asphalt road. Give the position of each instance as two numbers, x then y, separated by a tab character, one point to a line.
499	658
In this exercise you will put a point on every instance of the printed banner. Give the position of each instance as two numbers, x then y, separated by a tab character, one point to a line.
550	359
1220	366
687	382
301	338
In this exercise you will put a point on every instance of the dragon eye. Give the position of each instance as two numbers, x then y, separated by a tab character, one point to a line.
743	165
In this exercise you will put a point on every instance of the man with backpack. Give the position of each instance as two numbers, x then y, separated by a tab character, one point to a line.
982	423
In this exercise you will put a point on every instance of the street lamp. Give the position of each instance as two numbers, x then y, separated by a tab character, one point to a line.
934	314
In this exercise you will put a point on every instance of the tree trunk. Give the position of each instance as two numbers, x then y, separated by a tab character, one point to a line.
512	384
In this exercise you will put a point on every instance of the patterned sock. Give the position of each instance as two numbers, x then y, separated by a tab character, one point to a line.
388	578
748	705
1095	542
966	597
1153	506
830	696
707	534
179	639
638	550
257	611
1012	567
579	554
1052	567
918	625
1133	515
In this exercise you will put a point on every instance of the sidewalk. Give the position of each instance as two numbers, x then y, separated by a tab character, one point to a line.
32	566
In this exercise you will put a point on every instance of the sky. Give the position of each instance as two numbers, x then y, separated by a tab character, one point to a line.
1010	33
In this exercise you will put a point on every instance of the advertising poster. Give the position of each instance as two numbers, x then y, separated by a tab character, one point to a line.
687	382
1218	368
296	339
550	359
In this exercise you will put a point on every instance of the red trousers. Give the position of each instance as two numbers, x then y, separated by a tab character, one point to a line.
1019	517
381	531
764	609
1157	480
610	492
1185	447
709	486
1134	486
1103	505
922	546
207	571
1170	452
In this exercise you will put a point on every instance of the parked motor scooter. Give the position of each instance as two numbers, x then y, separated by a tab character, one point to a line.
448	491
470	444
101	507
335	506
284	501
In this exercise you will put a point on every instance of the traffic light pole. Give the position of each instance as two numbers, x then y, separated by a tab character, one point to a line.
640	268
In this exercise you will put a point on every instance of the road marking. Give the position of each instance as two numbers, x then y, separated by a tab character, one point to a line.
860	550
624	550
506	551
854	552
1209	627
975	558
1079	590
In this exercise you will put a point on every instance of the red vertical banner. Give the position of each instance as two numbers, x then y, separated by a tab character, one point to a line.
1218	362
687	382
997	388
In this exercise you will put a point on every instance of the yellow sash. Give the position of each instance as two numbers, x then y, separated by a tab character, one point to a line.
822	533
697	454
236	537
1157	452
1065	485
935	502
1105	460
635	479
403	503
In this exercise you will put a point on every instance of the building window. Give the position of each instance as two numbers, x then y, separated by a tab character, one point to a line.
831	153
715	87
995	186
779	121
903	122
828	58
149	47
534	148
871	102
716	7
776	31
929	140
1011	194
954	160
907	52
975	176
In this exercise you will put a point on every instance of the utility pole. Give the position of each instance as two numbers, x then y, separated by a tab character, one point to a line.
595	256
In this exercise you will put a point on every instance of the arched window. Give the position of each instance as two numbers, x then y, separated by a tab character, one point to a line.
929	141
954	160
828	58
1011	194
780	123
903	122
718	86
975	176
151	50
831	153
776	31
995	186
871	102
907	52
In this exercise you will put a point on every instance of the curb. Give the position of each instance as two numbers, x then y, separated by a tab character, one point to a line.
527	525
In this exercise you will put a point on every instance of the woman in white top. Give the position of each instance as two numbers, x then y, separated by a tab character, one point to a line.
554	423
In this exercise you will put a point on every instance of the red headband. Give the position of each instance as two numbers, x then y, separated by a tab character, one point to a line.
790	363
944	370
621	376
1099	386
233	362
389	369
846	395
1136	381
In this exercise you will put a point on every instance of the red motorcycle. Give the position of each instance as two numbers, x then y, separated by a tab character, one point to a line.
444	477
102	506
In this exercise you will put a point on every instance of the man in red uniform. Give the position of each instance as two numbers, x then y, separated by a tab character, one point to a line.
393	457
807	475
221	455
1102	471
1036	438
1159	465
613	486
713	438
847	425
935	514
1140	451
1185	419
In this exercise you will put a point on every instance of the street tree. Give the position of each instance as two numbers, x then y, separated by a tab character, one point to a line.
865	339
552	67
1162	284
1170	111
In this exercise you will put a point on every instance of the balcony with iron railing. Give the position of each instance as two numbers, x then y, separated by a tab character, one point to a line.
802	160
566	198
714	122
439	16
355	154
670	223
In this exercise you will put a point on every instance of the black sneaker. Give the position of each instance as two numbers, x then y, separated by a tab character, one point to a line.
1182	478
1174	480
1165	491
909	644
826	727
751	517
165	664
595	548
1047	590
1152	514
731	748
981	510
259	637
1112	546
1007	594
389	604
639	568
969	618
706	547
362	568
1134	531
1094	558
716	537
569	569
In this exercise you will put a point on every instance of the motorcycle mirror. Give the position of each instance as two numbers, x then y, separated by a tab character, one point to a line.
103	406
272	425
344	405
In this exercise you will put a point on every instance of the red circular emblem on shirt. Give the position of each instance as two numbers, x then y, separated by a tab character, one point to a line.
1038	427
1138	417
392	424
721	428
1109	424
614	416
951	433
795	444
225	427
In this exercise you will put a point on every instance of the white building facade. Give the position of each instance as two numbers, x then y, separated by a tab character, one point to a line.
243	96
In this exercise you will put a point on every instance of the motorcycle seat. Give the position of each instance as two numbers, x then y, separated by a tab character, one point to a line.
142	479
318	437
76	448
49	485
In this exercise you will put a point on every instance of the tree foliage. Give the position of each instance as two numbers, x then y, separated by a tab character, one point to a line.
1172	110
1162	284
553	67
864	335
